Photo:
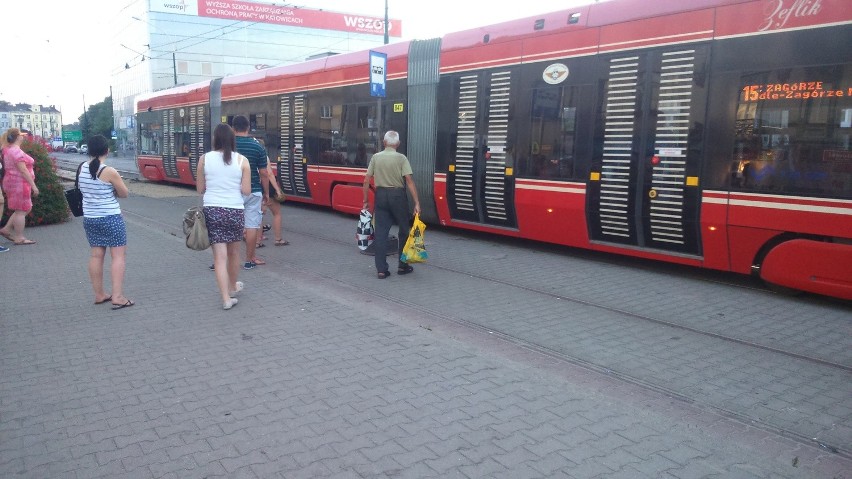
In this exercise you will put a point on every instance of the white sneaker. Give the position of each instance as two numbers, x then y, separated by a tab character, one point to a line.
239	288
230	303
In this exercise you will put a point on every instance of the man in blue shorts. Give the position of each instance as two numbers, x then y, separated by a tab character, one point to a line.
256	154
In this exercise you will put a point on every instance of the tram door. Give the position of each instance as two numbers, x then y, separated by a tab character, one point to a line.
644	184
480	181
198	136
169	150
292	164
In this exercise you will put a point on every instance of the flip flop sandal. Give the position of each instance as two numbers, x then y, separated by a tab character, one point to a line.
383	275
24	242
121	306
258	261
281	242
260	245
108	298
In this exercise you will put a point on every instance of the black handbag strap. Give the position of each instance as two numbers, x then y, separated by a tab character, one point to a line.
77	178
80	168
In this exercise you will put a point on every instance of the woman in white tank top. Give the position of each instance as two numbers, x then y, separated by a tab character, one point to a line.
223	178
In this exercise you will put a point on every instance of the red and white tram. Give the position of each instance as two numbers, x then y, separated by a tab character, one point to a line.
712	133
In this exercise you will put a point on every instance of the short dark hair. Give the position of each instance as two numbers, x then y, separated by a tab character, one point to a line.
241	124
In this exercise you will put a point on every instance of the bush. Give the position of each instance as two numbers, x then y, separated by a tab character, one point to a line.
49	206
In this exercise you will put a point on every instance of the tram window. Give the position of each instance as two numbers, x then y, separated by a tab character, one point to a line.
181	133
366	134
553	132
794	132
257	122
150	133
150	138
394	117
330	134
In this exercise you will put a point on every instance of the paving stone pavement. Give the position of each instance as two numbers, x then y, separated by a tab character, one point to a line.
322	371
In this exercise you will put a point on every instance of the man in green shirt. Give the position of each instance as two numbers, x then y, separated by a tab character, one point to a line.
256	154
391	173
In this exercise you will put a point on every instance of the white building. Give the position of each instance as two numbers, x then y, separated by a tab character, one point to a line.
44	121
163	43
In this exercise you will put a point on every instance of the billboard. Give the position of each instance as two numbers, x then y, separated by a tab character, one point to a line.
289	16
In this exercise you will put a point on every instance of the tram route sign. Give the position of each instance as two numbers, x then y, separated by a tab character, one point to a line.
72	135
378	73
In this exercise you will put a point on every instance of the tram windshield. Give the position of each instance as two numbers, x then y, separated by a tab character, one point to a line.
793	132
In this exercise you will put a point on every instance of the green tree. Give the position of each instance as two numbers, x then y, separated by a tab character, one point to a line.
97	120
49	206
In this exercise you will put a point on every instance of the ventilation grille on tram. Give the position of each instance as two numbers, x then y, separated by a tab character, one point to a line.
498	128
670	146
465	144
299	139
618	142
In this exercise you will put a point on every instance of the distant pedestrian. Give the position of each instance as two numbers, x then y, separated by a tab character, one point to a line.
259	195
388	168
223	178
3	249
101	185
19	184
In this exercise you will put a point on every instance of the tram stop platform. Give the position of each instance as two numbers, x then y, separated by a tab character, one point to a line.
498	358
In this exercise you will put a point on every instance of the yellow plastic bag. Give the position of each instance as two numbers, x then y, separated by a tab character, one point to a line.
415	247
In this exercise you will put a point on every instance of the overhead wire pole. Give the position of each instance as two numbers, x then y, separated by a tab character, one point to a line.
379	131
386	22
85	120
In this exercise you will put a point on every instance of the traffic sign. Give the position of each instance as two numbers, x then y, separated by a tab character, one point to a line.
73	135
378	73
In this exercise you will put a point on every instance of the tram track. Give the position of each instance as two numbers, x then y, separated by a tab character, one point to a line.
600	306
70	168
629	314
557	355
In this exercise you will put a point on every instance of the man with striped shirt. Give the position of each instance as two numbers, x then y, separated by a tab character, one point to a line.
256	154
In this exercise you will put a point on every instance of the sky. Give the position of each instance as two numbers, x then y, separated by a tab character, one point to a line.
65	53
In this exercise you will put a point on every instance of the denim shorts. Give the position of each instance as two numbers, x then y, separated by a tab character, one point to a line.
254	213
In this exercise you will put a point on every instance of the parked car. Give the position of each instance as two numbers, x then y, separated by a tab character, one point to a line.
84	149
70	149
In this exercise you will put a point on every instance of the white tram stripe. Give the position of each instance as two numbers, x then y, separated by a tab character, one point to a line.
844	209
